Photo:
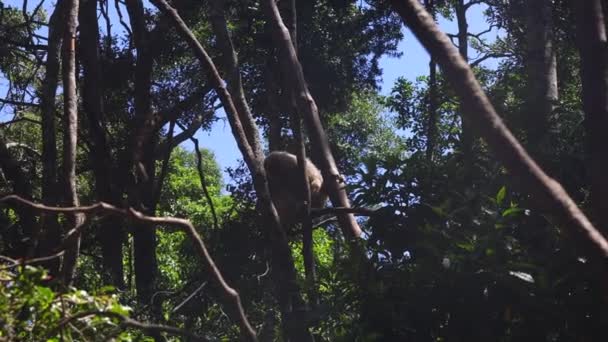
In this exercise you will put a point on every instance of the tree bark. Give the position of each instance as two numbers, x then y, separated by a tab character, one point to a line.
466	136
593	47
111	232
547	192
291	66
275	124
541	65
144	237
49	226
70	104
230	64
431	141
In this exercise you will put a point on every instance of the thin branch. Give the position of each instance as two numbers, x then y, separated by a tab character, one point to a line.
483	58
165	166
128	322
185	301
185	225
549	192
122	22
201	176
19	103
6	123
473	2
24	147
336	210
25	261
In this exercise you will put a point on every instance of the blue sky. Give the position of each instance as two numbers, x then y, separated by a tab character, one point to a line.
413	63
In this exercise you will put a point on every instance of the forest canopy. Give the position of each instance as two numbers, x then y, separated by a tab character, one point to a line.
464	205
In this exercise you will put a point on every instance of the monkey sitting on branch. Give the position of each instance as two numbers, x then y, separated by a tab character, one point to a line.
285	185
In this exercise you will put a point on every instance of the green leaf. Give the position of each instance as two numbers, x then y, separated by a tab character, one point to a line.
500	196
512	211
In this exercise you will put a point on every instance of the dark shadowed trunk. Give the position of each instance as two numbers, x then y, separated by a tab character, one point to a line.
593	46
431	136
275	124
144	236
70	134
50	236
541	68
110	229
466	135
22	187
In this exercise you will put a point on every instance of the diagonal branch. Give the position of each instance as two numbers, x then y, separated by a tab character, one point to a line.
129	322
291	66
547	191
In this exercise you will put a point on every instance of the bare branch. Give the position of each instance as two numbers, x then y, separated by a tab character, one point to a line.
335	210
7	123
483	58
25	261
19	103
128	322
473	2
201	176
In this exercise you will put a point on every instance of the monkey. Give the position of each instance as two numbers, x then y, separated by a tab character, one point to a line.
285	185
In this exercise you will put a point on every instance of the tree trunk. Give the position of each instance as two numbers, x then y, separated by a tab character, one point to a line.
50	228
541	68
70	134
275	124
229	62
110	230
144	236
466	135
431	137
593	46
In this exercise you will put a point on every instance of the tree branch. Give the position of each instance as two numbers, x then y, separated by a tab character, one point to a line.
185	225
549	192
128	322
291	66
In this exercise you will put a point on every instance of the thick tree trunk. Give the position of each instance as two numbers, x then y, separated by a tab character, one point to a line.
541	68
593	46
110	230
70	134
50	236
144	237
